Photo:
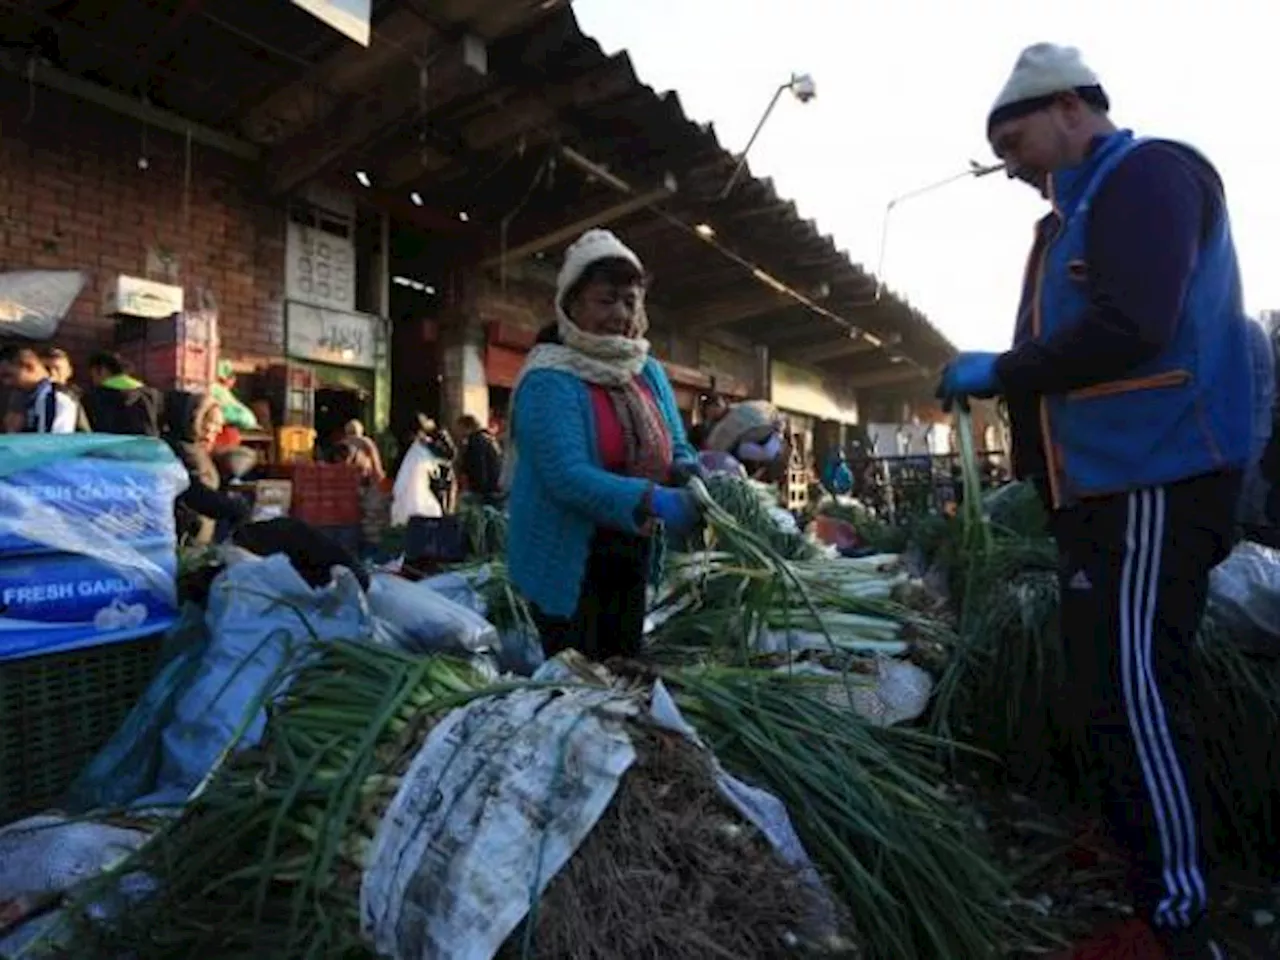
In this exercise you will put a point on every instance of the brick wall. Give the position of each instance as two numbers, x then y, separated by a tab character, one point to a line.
73	195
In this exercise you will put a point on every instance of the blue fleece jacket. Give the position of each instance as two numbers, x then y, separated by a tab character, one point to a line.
560	493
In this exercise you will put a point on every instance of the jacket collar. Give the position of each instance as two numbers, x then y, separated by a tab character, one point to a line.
1067	186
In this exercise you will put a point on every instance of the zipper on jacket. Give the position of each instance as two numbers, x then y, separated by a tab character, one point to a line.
1037	326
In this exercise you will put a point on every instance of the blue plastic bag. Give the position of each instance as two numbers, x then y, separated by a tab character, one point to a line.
87	545
127	767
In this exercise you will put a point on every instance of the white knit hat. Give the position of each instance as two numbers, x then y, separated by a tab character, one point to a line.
592	246
1042	70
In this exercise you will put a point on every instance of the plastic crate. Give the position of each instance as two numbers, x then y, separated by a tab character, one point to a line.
173	366
295	444
197	327
58	710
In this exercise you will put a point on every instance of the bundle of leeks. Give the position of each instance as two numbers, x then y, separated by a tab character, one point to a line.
741	594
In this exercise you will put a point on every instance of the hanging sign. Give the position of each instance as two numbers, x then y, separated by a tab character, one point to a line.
331	336
351	18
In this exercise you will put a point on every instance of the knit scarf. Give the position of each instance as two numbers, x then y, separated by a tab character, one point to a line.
611	362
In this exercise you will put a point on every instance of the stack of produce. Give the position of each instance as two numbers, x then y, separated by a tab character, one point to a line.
266	860
756	588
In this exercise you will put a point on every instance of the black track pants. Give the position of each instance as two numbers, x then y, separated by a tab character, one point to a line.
1134	577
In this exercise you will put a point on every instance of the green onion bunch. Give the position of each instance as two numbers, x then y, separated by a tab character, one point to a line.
267	859
900	854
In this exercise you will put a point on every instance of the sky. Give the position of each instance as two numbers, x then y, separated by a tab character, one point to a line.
903	91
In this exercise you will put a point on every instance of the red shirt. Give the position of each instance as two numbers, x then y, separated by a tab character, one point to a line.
609	439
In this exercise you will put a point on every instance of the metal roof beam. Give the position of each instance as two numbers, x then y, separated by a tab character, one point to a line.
831	350
358	121
570	230
351	70
527	114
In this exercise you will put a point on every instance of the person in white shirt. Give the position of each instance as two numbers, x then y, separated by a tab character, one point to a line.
47	408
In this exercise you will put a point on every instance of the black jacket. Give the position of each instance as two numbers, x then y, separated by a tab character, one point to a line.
481	465
202	504
137	412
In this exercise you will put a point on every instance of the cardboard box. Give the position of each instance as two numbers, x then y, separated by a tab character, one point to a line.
134	297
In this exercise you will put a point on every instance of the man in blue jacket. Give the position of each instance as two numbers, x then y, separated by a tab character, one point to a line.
1129	388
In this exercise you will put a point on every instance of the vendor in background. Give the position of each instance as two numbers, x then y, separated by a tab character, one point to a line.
836	475
40	405
754	433
61	372
1252	514
119	403
191	425
360	450
440	443
480	462
711	410
594	446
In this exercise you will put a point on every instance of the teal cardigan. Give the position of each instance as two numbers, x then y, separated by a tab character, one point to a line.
560	493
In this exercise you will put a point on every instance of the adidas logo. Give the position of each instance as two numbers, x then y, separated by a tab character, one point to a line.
1080	581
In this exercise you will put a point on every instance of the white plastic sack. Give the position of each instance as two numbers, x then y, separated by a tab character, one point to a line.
411	496
33	302
1244	596
899	691
47	854
263	620
499	797
461	587
417	619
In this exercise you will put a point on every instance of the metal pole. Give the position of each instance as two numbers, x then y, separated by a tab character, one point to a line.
742	157
975	170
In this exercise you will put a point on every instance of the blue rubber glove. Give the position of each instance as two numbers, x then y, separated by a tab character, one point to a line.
677	509
968	375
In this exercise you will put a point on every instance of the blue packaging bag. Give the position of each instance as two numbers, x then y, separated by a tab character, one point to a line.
55	602
123	502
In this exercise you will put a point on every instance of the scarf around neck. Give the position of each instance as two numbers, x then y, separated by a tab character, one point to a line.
611	362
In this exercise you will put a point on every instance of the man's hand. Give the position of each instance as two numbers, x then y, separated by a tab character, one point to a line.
968	375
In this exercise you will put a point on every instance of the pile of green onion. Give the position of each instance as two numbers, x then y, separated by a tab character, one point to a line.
267	860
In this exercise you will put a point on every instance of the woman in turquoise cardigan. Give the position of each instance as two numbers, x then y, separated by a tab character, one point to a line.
596	452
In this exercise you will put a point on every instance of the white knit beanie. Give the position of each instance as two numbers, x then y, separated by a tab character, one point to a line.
1042	71
592	246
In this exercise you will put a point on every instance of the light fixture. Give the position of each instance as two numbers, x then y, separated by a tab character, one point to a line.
412	284
872	339
363	178
705	231
803	89
464	216
416	197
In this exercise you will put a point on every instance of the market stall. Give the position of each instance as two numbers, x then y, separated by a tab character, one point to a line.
789	772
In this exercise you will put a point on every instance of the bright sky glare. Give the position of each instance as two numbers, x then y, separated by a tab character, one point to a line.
904	87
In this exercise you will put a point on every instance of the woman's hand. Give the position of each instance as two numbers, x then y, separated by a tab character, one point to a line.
677	509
